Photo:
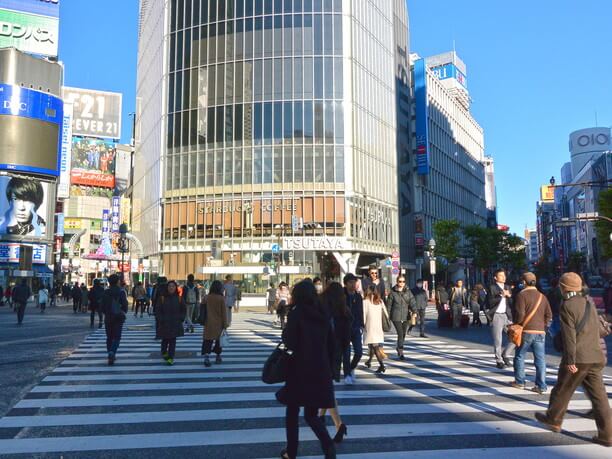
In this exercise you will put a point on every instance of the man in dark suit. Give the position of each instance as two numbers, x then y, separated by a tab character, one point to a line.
500	314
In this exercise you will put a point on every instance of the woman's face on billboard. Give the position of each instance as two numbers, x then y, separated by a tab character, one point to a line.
21	209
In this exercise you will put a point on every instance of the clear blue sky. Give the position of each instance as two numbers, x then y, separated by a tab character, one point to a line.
537	70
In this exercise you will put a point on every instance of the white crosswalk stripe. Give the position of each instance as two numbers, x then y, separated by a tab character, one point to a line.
445	400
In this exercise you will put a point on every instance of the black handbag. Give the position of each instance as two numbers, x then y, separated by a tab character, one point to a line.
558	338
386	323
277	366
203	312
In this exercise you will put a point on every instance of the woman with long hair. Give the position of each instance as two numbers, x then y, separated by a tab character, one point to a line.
171	314
309	335
373	336
335	300
215	323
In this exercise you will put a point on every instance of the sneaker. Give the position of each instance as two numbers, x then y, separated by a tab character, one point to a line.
517	385
111	358
170	361
165	356
348	380
508	362
537	390
207	362
500	365
218	359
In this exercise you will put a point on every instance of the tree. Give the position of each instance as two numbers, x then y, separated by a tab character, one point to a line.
512	252
603	228
483	245
447	236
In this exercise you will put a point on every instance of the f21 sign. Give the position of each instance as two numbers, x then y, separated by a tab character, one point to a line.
96	113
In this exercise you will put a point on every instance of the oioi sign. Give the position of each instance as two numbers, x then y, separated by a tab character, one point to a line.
29	33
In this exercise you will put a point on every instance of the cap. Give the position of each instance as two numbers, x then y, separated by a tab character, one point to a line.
350	277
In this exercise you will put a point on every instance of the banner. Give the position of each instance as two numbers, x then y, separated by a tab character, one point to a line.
84	190
29	33
63	186
422	117
24	208
115	214
96	113
80	177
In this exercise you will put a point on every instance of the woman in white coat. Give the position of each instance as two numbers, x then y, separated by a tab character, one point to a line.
43	298
373	334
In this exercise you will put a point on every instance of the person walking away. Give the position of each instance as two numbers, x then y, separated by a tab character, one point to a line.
458	300
374	279
582	362
43	298
354	302
271	298
442	306
231	295
373	335
8	294
160	287
420	298
474	300
555	298
533	312
139	296
482	301
309	383
115	306
149	290
76	294
216	322
52	296
171	316
500	314
282	303
96	296
334	300
21	295
84	298
401	304
191	298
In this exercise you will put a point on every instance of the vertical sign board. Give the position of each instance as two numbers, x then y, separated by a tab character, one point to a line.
105	223
422	117
115	214
63	187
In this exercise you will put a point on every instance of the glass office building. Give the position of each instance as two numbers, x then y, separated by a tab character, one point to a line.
267	135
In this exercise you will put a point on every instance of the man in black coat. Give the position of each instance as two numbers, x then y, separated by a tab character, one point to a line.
96	295
420	298
77	297
21	294
354	301
500	314
115	306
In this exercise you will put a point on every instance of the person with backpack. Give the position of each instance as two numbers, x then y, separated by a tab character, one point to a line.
171	312
96	295
191	299
115	306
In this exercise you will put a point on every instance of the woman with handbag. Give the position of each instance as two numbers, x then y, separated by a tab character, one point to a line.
373	336
171	313
215	323
309	336
335	300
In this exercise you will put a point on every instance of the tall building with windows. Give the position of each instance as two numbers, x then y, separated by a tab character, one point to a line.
267	135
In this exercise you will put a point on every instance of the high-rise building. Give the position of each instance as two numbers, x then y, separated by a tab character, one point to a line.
267	135
450	180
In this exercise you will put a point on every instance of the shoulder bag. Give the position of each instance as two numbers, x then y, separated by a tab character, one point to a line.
515	331
558	338
277	365
386	323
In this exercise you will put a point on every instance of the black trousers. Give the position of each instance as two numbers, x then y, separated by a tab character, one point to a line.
20	311
140	304
292	428
168	346
113	334
207	346
401	327
92	317
76	304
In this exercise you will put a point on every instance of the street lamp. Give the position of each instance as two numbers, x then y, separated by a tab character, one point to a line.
432	264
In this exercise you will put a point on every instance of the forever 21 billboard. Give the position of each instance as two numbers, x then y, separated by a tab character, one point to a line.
30	126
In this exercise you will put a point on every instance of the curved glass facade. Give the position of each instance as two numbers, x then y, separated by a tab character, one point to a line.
279	122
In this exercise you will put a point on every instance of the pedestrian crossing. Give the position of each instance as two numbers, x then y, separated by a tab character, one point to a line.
444	400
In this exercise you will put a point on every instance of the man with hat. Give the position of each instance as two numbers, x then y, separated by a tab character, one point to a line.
532	311
582	362
354	302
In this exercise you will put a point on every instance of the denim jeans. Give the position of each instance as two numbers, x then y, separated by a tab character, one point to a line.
536	343
357	343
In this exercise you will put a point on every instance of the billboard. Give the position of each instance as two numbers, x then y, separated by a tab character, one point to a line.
63	186
547	193
422	117
96	113
41	7
9	253
80	190
24	208
123	168
93	163
29	33
30	123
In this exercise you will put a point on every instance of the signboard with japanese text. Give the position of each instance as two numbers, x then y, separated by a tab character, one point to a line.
63	186
115	214
422	117
29	33
9	253
96	113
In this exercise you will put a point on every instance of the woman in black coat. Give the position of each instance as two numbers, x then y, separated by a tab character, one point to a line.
171	313
309	335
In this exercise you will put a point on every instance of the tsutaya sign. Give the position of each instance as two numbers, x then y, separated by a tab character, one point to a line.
316	243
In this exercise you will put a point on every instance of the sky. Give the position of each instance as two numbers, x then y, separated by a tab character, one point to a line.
537	70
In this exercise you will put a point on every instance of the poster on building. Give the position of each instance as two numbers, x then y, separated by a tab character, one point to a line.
29	33
24	208
93	162
96	113
123	168
63	186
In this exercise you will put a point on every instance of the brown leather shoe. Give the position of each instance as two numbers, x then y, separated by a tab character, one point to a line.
543	419
602	441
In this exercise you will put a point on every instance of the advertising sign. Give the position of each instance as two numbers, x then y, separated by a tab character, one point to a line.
29	33
24	208
81	190
9	253
547	193
96	113
41	7
123	168
63	186
93	163
115	214
30	124
422	117
450	70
